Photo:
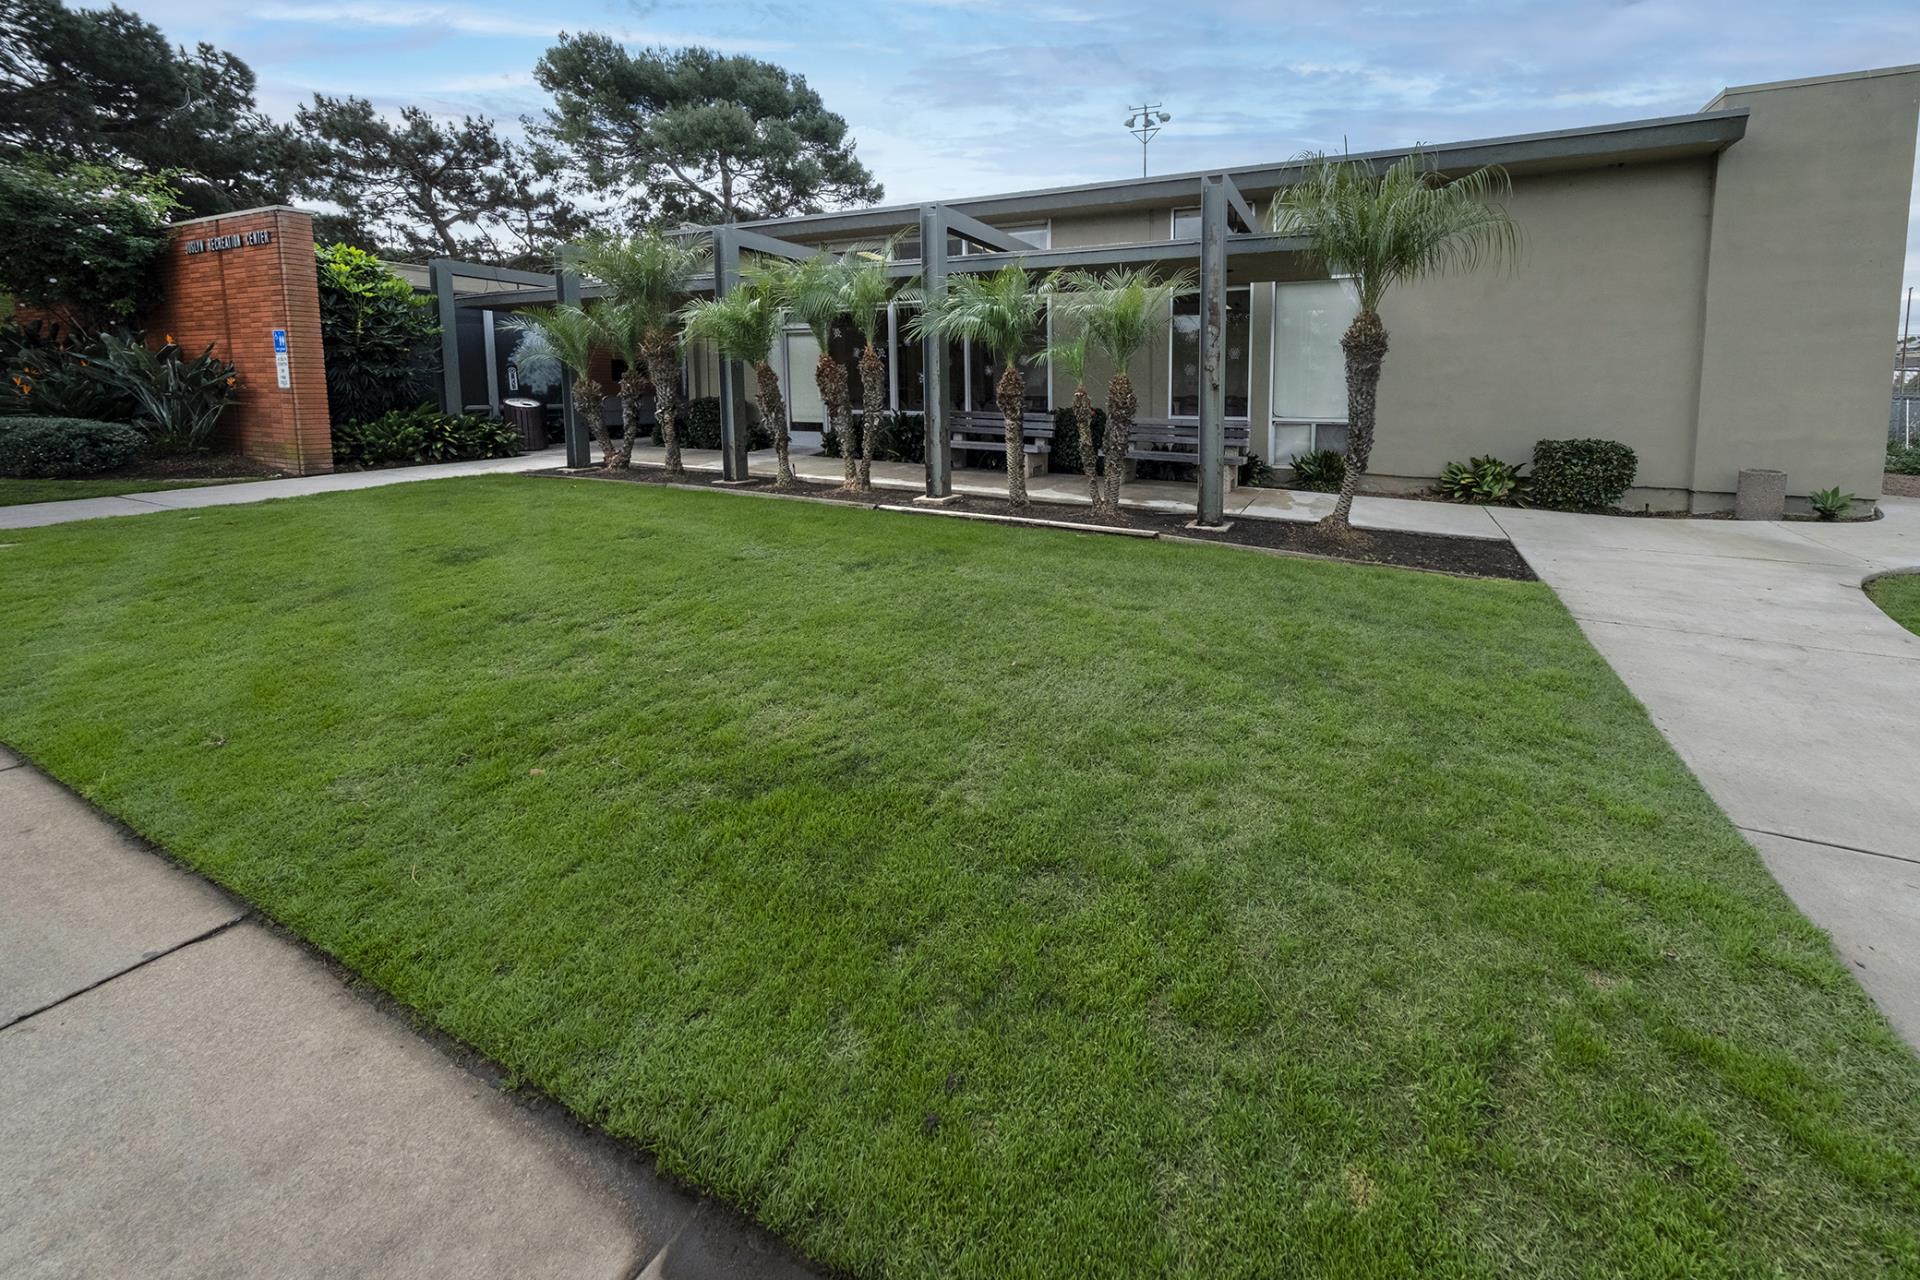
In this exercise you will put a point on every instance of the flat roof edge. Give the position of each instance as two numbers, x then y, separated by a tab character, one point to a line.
1835	77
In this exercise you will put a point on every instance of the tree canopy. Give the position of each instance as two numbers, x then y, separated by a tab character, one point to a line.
104	86
82	240
694	135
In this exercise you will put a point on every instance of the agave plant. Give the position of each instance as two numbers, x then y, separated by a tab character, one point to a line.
1484	479
1119	313
573	335
744	325
814	291
999	312
1069	356
1383	229
652	273
868	291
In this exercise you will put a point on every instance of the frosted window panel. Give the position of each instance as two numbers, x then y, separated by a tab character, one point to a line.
1309	369
803	397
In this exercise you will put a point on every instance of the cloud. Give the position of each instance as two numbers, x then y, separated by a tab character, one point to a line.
477	21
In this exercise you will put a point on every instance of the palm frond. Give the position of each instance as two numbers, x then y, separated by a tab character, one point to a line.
813	291
999	312
1405	223
651	272
573	334
743	325
1120	311
868	288
623	328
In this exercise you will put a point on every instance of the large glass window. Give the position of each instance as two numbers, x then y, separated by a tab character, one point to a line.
1309	368
1183	386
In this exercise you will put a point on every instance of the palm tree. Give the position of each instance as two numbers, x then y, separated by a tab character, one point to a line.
1119	313
1070	358
813	290
652	273
623	331
574	335
744	325
1380	230
869	290
999	312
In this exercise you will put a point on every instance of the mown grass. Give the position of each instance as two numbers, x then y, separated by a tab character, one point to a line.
966	900
1898	594
14	492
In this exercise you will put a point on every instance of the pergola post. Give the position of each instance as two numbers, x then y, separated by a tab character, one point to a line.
440	276
933	355
733	405
566	289
1213	363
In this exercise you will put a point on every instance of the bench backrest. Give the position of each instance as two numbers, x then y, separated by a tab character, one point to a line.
1033	426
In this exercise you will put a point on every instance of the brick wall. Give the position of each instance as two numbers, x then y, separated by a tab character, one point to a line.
231	281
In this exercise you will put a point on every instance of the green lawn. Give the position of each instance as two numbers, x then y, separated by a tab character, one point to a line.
14	492
1899	595
970	900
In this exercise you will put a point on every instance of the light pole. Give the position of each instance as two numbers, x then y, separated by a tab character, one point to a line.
1143	124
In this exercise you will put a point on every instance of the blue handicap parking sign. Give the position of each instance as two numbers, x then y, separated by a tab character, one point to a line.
279	340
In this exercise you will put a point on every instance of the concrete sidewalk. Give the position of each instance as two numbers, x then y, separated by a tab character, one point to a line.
1793	698
184	1093
33	515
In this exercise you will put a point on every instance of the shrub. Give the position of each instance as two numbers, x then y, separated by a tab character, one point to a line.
701	428
1582	475
1066	439
52	448
86	240
378	334
1484	479
422	434
47	377
177	399
1903	459
1255	471
905	439
1319	471
1830	504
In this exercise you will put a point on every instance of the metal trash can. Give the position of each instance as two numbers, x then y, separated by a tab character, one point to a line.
531	417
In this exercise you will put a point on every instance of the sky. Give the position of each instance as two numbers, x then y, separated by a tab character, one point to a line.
950	98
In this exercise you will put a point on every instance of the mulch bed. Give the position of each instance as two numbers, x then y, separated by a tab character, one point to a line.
1895	485
201	466
1468	557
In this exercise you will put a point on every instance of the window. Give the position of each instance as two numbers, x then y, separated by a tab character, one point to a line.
1183	384
1309	369
1186	224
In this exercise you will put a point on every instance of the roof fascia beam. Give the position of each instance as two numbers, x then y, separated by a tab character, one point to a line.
970	228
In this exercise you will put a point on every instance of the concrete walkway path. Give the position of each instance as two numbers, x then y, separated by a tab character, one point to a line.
1793	698
184	1093
32	515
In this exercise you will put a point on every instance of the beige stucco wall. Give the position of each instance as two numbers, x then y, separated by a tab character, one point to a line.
1809	237
1594	330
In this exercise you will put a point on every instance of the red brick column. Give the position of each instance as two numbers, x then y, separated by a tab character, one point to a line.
232	280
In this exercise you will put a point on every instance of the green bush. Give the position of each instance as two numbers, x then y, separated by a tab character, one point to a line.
177	399
905	439
1484	479
1582	475
422	434
1255	471
1903	459
378	334
47	377
82	239
1066	439
1320	471
701	428
54	448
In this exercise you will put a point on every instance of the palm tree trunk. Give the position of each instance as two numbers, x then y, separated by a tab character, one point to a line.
773	412
663	370
831	377
1365	344
630	383
1083	420
1122	404
873	394
587	392
1011	395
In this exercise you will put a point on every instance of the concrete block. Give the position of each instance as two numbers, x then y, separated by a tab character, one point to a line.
1762	495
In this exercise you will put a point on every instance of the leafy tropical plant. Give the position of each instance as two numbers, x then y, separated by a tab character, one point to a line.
1830	504
378	335
652	273
1903	459
1484	479
1120	312
1382	230
1069	357
574	336
422	434
177	399
813	291
999	313
869	289
624	327
1320	471
46	375
744	325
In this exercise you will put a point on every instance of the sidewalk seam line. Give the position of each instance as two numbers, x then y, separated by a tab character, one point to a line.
141	963
1728	635
1833	844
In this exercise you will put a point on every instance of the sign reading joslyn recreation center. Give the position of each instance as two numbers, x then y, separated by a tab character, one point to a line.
215	244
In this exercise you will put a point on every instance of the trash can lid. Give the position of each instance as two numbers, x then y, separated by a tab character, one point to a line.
521	402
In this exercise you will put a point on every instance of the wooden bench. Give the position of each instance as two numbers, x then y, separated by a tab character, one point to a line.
987	433
1172	440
